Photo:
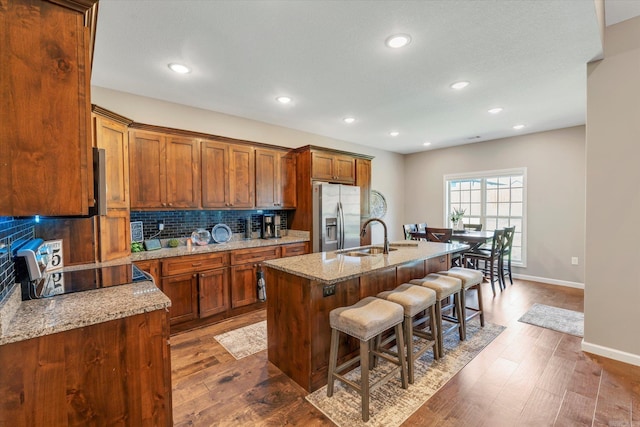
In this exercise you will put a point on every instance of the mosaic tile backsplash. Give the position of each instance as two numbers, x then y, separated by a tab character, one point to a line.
183	223
11	229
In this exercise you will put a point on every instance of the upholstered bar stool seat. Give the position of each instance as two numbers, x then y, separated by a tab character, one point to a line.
471	279
365	320
415	300
444	287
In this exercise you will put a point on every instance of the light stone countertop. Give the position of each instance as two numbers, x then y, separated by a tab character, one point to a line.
331	267
22	320
46	316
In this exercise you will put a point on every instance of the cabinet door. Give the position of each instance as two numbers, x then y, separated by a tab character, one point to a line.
213	291
215	172
114	138
322	166
243	285
241	176
182	290
288	197
148	179
363	180
44	99
344	169
183	172
115	235
267	178
433	265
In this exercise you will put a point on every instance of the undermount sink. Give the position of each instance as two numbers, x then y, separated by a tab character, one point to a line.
365	251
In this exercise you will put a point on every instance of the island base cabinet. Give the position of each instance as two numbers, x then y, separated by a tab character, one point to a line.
112	373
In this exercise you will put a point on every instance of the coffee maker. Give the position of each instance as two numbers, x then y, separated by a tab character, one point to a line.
268	226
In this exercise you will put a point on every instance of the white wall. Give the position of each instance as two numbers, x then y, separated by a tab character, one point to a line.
612	287
387	176
555	162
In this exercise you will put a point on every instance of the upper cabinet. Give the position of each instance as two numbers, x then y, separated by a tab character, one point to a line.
111	134
45	142
327	166
228	175
164	171
275	179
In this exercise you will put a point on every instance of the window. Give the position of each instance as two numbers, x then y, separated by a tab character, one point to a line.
495	199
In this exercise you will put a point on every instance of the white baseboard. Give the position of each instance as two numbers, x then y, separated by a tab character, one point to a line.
621	356
550	281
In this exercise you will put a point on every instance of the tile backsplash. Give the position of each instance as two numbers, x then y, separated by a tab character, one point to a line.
183	223
11	229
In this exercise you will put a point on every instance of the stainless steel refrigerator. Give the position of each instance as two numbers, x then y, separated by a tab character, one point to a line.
336	217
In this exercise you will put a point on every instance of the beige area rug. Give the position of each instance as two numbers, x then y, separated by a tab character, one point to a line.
555	318
390	404
243	342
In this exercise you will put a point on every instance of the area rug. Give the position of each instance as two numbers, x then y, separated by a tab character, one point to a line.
559	319
390	405
243	342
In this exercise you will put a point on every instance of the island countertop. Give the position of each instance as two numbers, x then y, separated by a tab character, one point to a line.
333	267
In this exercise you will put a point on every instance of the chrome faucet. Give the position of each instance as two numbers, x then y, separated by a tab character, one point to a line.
385	246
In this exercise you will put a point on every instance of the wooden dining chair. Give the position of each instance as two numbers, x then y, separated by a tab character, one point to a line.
473	227
490	260
443	235
505	257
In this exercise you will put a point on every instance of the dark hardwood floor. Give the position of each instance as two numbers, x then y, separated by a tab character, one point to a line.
528	376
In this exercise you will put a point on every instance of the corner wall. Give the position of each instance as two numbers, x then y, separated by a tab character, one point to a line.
555	194
387	167
612	288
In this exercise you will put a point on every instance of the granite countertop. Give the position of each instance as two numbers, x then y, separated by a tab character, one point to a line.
332	267
236	243
35	318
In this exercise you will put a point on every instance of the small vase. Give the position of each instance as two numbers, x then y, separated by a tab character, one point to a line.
458	225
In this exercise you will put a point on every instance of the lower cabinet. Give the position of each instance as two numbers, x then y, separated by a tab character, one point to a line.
244	268
213	292
182	290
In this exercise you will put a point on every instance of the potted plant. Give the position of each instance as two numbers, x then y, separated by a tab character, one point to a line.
456	218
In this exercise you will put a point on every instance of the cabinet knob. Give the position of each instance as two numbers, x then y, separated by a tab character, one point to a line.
195	275
163	204
170	204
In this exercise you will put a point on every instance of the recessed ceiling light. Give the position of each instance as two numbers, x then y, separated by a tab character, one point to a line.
398	40
283	99
394	133
459	85
518	127
495	110
349	120
179	68
426	144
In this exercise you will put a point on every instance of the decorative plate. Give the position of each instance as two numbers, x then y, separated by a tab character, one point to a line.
377	204
221	233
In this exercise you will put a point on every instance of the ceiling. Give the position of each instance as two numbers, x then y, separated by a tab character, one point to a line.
528	57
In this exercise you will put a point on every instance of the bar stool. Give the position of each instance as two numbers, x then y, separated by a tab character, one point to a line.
445	286
365	320
415	300
471	279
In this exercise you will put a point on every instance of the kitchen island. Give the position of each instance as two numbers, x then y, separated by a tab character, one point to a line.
302	290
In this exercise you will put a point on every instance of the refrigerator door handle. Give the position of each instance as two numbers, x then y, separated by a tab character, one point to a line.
340	227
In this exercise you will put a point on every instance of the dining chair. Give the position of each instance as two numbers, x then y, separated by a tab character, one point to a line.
407	229
505	268
422	227
473	227
443	235
490	260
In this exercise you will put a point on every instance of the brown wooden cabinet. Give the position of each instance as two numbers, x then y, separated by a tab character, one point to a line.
164	171
197	285
245	264
363	180
228	175
332	167
45	72
112	373
275	179
114	230
294	249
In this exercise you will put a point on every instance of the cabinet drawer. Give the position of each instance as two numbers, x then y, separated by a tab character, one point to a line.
293	249
244	256
194	263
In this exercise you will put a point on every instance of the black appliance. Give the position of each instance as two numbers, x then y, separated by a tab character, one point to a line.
32	256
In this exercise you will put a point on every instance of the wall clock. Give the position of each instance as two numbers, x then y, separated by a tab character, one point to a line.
377	204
